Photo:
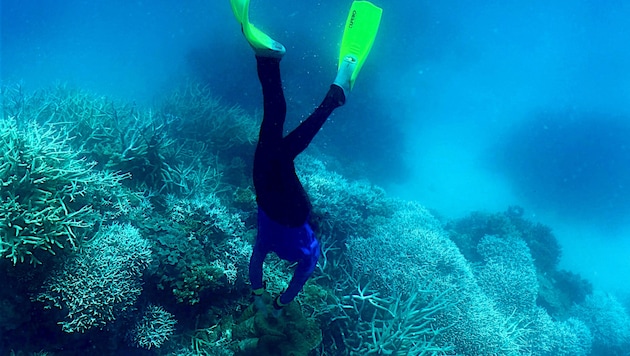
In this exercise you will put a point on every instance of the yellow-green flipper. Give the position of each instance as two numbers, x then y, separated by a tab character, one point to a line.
262	44
361	28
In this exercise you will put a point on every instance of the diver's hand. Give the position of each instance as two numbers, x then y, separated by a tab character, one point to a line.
259	303
277	307
276	313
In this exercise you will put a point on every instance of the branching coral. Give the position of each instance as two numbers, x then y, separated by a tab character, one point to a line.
508	262
414	269
205	250
102	281
609	322
47	193
192	178
468	231
196	278
205	216
556	290
199	116
156	327
168	150
344	205
406	251
547	337
414	272
120	137
393	325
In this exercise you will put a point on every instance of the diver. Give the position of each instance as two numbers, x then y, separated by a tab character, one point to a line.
283	205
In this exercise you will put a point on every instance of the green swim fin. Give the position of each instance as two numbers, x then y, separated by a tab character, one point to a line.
262	44
358	36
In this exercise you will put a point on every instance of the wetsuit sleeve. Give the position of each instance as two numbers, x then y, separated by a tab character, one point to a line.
274	103
301	137
256	265
302	273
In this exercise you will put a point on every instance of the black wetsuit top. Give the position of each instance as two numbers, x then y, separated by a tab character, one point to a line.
278	190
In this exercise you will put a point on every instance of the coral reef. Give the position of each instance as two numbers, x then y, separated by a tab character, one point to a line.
173	230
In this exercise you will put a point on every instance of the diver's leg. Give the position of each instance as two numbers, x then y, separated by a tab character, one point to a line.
275	106
301	136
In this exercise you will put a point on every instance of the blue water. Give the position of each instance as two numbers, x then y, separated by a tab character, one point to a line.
462	105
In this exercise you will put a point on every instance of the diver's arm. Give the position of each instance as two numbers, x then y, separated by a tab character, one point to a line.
302	273
256	266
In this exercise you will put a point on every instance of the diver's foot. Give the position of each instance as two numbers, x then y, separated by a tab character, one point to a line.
277	50
263	45
344	74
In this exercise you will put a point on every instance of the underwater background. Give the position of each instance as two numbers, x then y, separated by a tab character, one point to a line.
471	197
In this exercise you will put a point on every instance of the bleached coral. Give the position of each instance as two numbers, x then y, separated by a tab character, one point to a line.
204	215
47	190
508	262
406	251
345	204
102	281
608	320
156	327
199	115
